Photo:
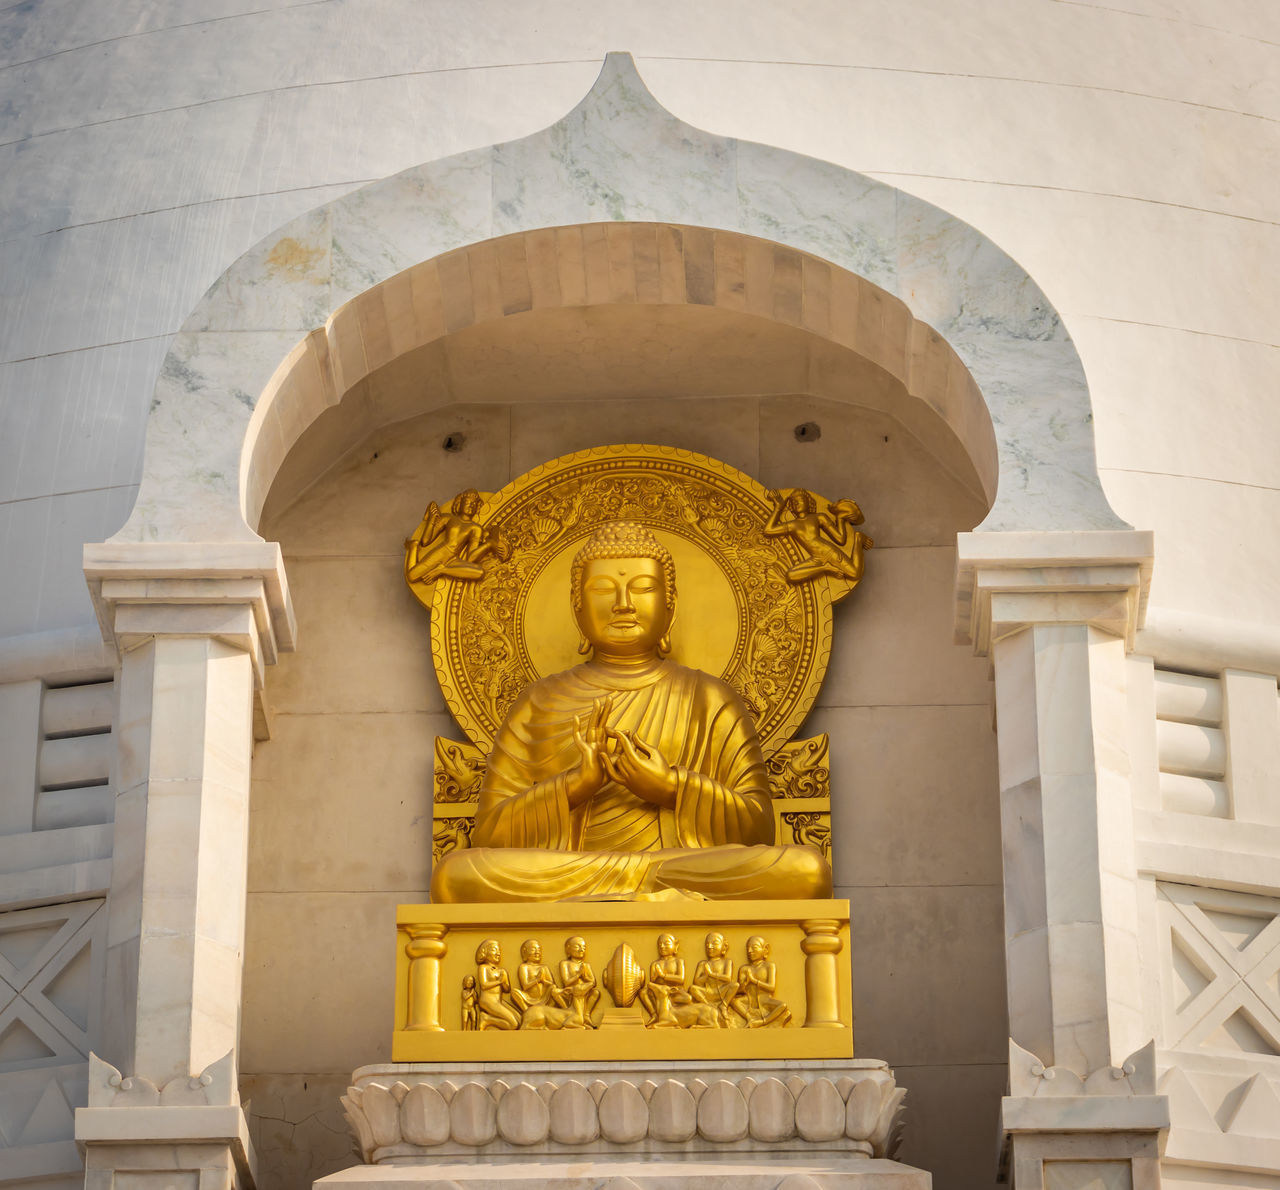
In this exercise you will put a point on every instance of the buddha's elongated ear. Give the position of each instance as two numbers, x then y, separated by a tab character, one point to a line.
664	642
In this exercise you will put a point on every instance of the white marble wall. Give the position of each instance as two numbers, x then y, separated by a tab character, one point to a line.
1207	852
144	152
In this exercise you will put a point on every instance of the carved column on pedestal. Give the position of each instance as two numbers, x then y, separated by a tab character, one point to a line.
426	947
194	625
1055	612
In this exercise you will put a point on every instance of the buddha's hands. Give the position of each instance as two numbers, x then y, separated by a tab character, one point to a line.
641	768
591	735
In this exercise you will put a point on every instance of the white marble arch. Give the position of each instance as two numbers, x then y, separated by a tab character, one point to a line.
618	157
1051	586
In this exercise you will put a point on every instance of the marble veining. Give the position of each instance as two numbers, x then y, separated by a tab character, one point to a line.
380	230
617	156
821	208
281	284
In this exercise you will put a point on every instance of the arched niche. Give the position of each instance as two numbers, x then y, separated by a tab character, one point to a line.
213	442
606	312
341	829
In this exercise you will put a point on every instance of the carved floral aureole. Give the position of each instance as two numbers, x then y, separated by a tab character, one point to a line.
759	588
758	572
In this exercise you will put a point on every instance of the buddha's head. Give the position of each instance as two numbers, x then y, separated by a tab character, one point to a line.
624	592
531	951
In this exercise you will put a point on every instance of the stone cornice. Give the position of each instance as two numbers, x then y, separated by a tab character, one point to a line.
1009	581
236	592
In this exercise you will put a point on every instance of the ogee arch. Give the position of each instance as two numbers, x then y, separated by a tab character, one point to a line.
464	239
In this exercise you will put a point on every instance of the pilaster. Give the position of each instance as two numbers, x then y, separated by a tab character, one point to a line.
1056	612
194	626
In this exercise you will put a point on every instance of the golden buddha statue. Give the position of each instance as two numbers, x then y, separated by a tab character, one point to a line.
627	777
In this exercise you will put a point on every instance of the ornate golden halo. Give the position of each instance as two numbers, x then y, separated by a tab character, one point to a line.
738	615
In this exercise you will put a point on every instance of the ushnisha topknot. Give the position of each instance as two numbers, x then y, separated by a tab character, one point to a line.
622	539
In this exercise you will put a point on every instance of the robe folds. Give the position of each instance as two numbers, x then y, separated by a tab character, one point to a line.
717	840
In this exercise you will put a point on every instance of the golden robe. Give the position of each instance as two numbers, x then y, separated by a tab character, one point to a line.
717	840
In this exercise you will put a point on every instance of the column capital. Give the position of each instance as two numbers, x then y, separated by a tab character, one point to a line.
1006	582
233	591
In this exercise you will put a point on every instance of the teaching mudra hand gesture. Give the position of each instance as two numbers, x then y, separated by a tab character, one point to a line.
606	754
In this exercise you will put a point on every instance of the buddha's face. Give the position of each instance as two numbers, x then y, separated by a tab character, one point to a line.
624	609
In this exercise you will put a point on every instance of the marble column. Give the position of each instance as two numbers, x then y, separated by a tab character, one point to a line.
194	627
1056	613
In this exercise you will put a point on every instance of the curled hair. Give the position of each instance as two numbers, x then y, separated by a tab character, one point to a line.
802	502
462	499
623	539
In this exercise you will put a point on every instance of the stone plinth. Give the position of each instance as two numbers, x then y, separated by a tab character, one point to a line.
407	1113
761	1125
653	1174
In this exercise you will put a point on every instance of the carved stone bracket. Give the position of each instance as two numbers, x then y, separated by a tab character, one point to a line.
215	1086
1116	1107
399	1113
1056	1099
192	1126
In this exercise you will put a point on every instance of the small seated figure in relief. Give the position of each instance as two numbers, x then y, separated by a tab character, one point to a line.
664	1000
452	544
534	977
824	536
578	989
492	982
470	1007
713	979
755	1001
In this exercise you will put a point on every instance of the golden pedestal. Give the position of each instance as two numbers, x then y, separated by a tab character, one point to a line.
801	946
